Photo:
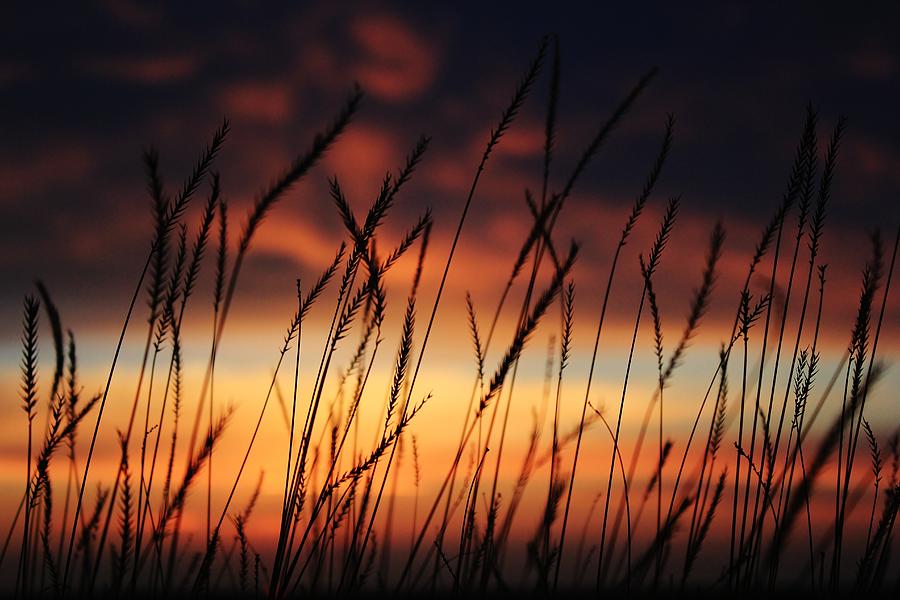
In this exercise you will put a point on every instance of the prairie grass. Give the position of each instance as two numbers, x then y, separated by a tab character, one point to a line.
341	523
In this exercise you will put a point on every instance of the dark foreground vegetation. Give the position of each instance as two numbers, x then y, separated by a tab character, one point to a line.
748	466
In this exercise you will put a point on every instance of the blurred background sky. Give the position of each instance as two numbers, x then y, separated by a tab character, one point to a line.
84	87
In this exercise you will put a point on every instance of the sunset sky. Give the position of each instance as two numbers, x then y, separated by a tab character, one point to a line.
86	90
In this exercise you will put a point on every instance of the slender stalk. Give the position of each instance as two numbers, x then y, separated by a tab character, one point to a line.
509	115
800	174
636	211
29	405
659	244
863	395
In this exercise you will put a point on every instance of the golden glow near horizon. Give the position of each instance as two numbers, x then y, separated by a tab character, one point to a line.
244	372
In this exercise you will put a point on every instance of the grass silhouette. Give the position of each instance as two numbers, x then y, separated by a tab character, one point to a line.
337	505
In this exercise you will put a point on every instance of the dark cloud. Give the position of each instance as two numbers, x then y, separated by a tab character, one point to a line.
87	88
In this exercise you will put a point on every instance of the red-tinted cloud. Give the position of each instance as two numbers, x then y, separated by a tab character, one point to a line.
871	158
133	14
398	64
25	176
267	102
148	70
873	64
361	159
